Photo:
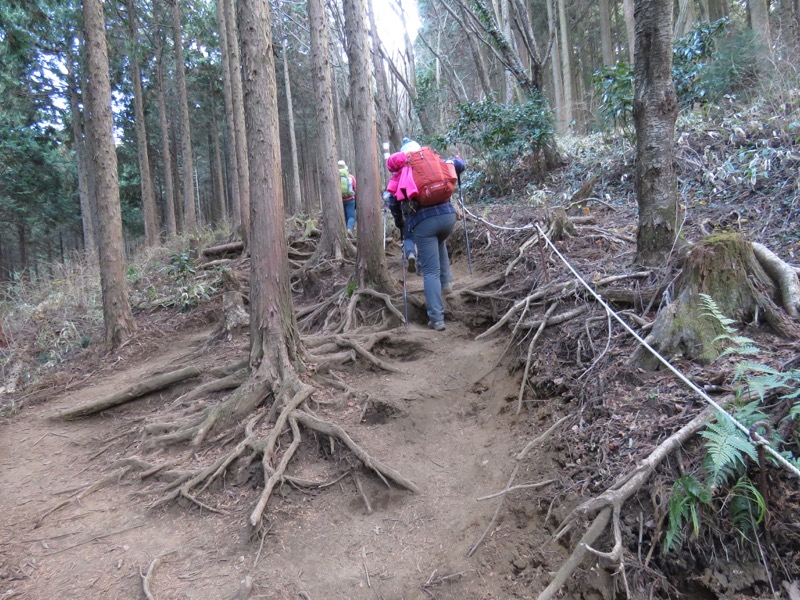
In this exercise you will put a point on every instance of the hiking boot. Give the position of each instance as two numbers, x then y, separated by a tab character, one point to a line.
412	262
438	326
447	289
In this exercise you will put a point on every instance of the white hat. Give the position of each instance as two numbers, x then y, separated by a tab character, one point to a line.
342	164
409	146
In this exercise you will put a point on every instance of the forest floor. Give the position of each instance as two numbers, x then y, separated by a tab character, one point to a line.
447	421
441	423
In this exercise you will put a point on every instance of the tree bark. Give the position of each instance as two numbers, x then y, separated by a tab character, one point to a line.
166	151
242	157
605	33
118	318
189	209
655	109
686	17
717	9
477	56
227	88
221	206
566	63
333	240
274	340
555	66
370	267
630	27
759	21
294	175
151	232
81	158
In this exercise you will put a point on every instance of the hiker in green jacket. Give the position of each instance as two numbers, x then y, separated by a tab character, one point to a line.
348	188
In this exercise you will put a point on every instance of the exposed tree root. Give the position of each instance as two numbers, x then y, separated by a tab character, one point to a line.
159	382
608	505
261	438
783	275
530	353
725	268
112	477
328	351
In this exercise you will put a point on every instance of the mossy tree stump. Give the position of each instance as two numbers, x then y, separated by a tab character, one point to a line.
723	267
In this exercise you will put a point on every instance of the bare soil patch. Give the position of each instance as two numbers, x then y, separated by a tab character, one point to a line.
443	421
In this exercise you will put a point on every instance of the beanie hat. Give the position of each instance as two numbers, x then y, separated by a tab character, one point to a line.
342	165
460	164
409	146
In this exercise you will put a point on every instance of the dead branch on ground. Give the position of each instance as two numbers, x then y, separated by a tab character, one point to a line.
608	505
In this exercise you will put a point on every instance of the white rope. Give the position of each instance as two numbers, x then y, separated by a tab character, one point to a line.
755	435
490	224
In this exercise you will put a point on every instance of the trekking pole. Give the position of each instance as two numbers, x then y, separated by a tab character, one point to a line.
384	225
405	296
466	233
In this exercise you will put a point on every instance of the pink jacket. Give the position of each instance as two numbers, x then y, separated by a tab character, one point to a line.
401	183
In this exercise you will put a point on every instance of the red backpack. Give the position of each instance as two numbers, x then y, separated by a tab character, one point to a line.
435	179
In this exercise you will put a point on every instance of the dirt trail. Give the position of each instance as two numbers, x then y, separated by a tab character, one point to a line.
441	426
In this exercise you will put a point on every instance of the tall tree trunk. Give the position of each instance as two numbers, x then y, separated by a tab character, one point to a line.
630	26
605	33
333	242
655	109
166	151
381	96
222	205
235	204
717	9
370	267
470	34
119	323
81	158
189	208
759	21
242	158
275	342
686	17
555	66
151	234
702	9
566	63
294	175
176	178
22	245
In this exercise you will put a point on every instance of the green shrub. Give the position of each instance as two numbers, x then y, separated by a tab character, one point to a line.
695	71
614	84
735	66
501	134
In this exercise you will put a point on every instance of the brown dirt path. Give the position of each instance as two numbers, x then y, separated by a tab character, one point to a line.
449	434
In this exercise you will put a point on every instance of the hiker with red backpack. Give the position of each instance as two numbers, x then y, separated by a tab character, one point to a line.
348	187
423	183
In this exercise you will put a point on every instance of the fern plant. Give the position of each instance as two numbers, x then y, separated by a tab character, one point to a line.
727	448
688	494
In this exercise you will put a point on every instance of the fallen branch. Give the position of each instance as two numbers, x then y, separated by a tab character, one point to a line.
530	353
559	318
232	247
159	382
600	508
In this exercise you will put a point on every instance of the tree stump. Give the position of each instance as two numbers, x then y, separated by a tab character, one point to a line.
725	268
559	225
